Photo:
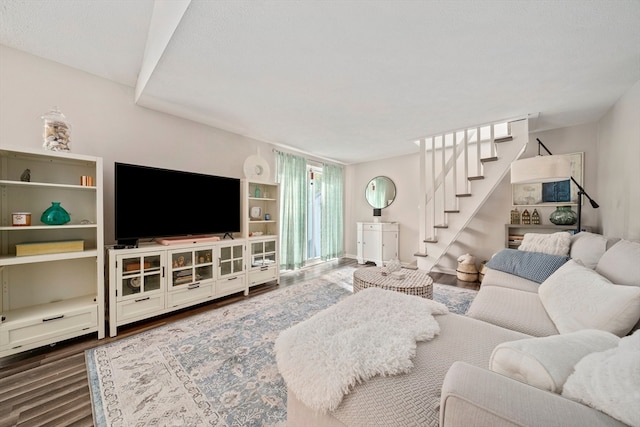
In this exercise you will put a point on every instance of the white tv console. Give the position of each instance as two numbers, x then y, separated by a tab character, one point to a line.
155	279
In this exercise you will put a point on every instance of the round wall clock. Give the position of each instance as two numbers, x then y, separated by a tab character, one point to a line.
256	168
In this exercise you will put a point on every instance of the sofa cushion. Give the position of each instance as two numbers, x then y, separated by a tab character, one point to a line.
552	244
535	266
547	362
588	248
577	297
512	309
609	381
621	263
494	277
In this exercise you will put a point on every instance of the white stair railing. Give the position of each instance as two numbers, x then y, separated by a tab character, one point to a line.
450	179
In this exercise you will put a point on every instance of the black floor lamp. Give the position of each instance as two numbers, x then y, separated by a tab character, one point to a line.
548	169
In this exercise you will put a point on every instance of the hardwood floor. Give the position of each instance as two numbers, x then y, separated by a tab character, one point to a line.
48	386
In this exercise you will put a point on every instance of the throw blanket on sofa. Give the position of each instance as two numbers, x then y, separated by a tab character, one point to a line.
373	332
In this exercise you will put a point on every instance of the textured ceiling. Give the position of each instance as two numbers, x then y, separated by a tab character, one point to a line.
345	80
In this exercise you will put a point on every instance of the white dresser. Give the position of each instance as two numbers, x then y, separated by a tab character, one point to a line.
377	241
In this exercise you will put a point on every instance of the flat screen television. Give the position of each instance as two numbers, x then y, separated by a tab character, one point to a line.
154	203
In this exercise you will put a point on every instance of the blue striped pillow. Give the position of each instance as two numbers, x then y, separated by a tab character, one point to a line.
534	266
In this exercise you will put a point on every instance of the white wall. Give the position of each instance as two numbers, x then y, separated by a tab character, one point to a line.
618	154
106	123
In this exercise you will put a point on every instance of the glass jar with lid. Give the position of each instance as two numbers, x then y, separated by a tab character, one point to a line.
57	131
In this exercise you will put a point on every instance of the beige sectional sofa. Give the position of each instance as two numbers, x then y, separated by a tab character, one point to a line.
487	368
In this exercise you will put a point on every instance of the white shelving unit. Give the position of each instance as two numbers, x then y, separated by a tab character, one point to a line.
261	230
51	297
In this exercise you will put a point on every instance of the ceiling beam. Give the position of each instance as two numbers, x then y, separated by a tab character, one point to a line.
165	18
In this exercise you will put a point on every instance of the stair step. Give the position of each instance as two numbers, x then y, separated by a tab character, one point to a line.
475	178
489	159
452	211
413	265
421	254
441	226
464	195
503	139
430	240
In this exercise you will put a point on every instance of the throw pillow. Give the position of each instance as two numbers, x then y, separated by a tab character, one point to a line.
588	248
552	244
609	381
577	297
621	263
534	266
547	362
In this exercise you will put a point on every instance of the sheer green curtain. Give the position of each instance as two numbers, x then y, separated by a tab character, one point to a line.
292	176
332	224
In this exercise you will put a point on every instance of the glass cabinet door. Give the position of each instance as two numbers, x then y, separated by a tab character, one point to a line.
189	267
270	246
263	253
140	274
231	260
257	254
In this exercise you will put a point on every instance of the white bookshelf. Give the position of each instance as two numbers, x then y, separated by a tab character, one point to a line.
51	297
261	231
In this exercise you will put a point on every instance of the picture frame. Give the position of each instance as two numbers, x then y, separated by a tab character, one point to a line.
560	193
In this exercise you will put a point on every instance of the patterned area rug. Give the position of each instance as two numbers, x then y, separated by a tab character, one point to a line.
216	368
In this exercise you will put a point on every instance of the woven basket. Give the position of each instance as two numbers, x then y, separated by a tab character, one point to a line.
467	272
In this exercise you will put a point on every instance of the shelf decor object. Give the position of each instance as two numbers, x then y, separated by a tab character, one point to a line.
57	131
563	215
546	169
40	248
55	215
515	216
256	168
535	217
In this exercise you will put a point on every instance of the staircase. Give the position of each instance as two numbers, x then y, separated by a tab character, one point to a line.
458	172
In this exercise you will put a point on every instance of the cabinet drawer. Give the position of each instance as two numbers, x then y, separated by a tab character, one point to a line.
230	285
139	308
190	295
262	275
21	333
372	227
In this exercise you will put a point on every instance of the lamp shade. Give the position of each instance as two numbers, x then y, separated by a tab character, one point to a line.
540	169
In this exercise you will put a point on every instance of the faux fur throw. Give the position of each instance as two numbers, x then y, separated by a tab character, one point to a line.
372	332
610	381
553	244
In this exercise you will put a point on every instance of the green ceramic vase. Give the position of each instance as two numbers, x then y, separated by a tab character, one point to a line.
563	215
55	215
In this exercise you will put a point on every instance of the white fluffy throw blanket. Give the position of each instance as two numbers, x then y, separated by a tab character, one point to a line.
372	332
610	381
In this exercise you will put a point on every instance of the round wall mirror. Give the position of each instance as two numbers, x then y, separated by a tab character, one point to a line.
380	192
